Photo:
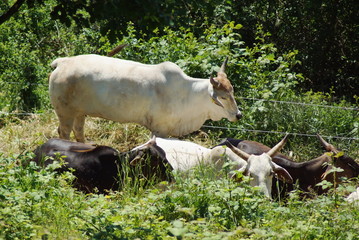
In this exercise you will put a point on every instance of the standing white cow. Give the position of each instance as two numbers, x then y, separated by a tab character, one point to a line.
160	97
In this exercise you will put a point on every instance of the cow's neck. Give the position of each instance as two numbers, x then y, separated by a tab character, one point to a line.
204	90
190	118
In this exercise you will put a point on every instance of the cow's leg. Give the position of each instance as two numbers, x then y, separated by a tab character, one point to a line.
79	128
65	127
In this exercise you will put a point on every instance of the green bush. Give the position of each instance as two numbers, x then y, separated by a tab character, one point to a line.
28	44
37	203
257	72
32	198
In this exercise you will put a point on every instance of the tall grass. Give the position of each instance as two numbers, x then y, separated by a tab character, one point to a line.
37	203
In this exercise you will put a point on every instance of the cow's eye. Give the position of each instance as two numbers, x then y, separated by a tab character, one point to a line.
224	98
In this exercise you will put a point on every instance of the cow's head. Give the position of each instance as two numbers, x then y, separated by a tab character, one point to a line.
339	160
261	168
223	96
151	160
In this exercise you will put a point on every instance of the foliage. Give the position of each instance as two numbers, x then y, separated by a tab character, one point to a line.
324	33
28	44
307	114
37	203
258	71
24	77
32	199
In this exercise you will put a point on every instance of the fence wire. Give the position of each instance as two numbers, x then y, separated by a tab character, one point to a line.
277	132
243	129
300	103
244	98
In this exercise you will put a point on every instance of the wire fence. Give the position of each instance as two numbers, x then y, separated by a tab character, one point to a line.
300	103
243	129
20	83
244	98
278	132
18	113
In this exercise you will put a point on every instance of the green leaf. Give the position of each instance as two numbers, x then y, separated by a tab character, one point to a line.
270	57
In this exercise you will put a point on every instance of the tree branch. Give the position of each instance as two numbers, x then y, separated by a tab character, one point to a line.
6	16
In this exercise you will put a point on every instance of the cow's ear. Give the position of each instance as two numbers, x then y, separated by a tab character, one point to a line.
282	174
83	148
215	83
327	171
136	160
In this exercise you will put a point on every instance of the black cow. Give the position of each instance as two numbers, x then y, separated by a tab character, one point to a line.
102	167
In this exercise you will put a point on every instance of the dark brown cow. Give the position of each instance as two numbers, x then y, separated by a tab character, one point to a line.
306	174
102	167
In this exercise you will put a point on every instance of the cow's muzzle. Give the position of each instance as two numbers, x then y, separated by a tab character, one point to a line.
238	115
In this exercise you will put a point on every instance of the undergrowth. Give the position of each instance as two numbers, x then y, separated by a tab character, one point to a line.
39	204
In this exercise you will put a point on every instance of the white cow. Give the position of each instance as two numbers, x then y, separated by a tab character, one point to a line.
353	197
261	168
160	97
184	155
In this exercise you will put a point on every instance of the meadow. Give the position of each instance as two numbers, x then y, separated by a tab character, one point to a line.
39	204
273	95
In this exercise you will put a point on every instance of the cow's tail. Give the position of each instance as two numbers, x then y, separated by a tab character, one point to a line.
116	50
57	61
55	64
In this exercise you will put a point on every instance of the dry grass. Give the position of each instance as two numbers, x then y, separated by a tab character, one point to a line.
21	135
24	135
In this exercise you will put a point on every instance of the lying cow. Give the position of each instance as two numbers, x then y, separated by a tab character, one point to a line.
184	155
353	197
261	168
306	174
102	167
160	97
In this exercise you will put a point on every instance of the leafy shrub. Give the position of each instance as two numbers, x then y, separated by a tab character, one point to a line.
37	203
28	44
31	198
188	208
259	73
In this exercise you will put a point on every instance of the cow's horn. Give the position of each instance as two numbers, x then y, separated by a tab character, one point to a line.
224	64
238	151
326	145
278	147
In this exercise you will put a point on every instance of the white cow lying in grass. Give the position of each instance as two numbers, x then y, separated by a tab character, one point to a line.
261	168
353	197
160	97
184	155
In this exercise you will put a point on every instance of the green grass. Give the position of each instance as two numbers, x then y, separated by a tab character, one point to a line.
38	204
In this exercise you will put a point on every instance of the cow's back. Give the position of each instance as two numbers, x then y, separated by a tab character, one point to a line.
94	166
102	86
182	155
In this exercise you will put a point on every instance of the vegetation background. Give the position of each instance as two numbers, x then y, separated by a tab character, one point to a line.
280	51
